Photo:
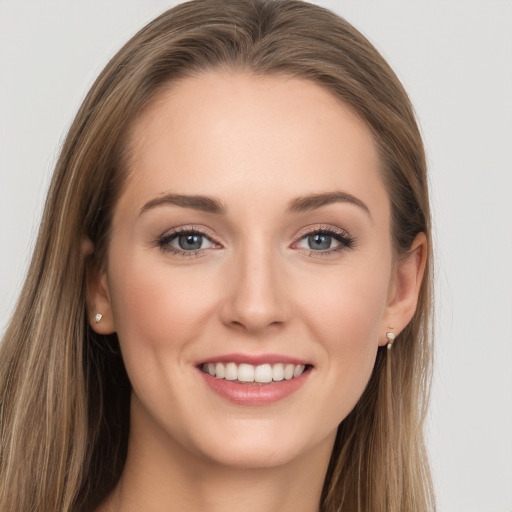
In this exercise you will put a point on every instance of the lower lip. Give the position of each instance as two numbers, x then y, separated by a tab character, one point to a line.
254	394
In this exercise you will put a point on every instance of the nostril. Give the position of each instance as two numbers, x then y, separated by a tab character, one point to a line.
254	324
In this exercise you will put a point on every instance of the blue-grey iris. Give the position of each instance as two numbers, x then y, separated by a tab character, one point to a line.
190	242
319	241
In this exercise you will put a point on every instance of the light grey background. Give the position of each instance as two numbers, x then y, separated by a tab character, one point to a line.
455	59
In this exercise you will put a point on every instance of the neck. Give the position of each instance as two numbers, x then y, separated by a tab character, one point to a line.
164	476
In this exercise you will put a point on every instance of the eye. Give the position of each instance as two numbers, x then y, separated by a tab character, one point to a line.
190	242
325	240
318	242
185	242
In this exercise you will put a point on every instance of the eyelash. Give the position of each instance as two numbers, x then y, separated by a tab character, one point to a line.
340	235
164	241
345	241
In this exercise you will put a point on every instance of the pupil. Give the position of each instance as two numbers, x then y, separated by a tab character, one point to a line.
319	241
190	242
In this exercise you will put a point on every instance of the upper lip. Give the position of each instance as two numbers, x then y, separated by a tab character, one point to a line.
254	359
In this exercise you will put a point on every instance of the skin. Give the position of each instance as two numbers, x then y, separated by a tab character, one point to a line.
255	287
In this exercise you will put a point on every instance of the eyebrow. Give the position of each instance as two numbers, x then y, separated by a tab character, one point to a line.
314	201
203	203
213	205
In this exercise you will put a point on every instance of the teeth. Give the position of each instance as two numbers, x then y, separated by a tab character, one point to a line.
230	372
299	370
219	371
246	373
262	373
278	372
288	371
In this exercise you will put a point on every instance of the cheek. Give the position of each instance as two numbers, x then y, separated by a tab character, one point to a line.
347	306
344	316
155	306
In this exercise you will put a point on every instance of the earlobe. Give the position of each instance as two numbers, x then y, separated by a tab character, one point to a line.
99	309
405	288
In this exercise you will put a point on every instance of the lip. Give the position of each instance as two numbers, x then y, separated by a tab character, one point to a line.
254	359
253	394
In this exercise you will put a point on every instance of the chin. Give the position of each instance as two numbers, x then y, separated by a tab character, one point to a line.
253	455
258	444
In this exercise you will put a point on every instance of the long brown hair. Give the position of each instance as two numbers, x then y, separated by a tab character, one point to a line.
64	393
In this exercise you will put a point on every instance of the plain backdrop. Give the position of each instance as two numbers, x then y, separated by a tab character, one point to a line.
455	60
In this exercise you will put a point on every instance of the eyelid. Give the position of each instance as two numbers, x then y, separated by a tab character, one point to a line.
308	230
163	241
346	241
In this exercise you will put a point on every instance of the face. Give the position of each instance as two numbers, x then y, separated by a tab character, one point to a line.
252	241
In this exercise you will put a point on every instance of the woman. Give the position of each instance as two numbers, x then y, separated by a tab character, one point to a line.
229	300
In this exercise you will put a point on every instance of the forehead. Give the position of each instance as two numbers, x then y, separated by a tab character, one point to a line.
259	132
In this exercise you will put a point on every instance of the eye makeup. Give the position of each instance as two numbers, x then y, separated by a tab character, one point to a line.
323	241
186	241
315	241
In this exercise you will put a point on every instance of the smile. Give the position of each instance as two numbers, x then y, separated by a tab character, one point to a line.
254	380
248	373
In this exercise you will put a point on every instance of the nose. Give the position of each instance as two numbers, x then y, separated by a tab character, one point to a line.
254	298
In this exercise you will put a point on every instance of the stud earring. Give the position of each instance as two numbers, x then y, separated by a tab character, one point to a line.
391	338
97	318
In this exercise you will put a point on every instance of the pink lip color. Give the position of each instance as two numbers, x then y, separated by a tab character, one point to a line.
254	394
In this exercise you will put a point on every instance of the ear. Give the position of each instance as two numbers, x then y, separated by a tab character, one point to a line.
97	294
405	288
